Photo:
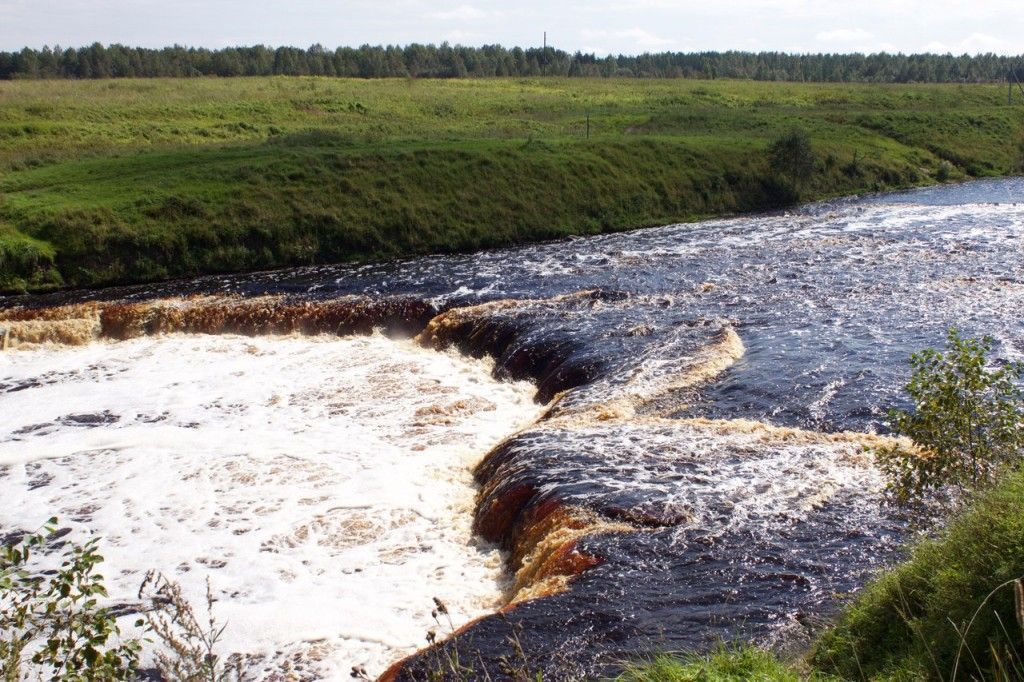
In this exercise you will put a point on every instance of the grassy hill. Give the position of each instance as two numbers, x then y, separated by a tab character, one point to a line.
119	181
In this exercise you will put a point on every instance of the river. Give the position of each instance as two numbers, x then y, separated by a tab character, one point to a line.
692	467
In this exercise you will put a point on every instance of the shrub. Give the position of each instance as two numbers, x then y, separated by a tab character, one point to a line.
51	619
792	156
52	627
967	419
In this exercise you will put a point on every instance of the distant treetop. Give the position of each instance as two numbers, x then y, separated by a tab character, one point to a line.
447	61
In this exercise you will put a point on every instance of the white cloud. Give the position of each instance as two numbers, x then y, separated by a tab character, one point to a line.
976	43
637	36
458	37
732	8
982	42
461	13
844	35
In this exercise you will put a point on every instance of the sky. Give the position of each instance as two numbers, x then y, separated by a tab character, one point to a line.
601	26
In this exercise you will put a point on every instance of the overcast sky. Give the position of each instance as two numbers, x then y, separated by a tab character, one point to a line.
602	26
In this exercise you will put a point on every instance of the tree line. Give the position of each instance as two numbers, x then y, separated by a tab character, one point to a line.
448	61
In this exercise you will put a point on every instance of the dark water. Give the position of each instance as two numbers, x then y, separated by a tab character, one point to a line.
829	300
741	535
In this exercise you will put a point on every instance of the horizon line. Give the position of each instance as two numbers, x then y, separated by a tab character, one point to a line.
483	46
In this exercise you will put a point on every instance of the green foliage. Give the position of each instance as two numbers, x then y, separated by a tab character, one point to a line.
117	181
447	61
52	619
25	262
738	663
51	624
968	418
792	156
949	608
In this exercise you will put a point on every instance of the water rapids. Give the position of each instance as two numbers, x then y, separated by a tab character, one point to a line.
692	468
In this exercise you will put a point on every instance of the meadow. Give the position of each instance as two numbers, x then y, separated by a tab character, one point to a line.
117	181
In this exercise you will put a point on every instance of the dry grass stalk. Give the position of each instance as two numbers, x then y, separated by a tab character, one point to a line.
190	649
1018	591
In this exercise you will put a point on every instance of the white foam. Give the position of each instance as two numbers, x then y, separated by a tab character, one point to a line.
322	484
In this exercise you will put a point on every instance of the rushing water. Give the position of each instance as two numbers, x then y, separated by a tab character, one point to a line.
322	484
690	477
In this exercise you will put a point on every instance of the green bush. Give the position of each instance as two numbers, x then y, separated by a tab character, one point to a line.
52	621
25	262
52	627
967	419
792	157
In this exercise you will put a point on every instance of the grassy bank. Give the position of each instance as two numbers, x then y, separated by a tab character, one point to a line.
728	664
947	613
122	181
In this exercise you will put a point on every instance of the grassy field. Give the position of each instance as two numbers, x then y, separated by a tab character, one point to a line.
118	181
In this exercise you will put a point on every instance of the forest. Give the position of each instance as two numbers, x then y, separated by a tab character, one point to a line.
448	61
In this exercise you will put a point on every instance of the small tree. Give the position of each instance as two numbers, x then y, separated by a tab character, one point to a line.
52	619
791	156
967	420
52	627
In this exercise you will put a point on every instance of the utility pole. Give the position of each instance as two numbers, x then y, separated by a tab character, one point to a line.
1012	78
545	40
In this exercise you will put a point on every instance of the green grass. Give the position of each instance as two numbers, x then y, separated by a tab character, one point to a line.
124	181
948	607
22	258
726	664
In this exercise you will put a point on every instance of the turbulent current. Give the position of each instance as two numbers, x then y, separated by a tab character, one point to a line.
323	484
687	463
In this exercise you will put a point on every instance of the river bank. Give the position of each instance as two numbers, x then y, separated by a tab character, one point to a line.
117	182
948	612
